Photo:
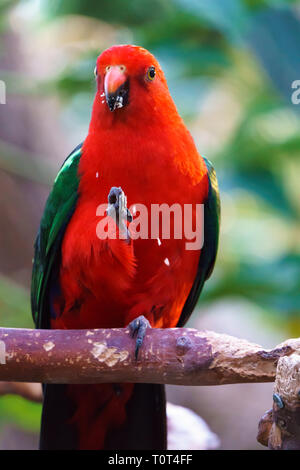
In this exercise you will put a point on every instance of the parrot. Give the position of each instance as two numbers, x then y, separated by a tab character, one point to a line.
137	149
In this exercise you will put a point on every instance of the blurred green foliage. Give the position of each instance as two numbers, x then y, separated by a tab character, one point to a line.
248	50
14	305
22	413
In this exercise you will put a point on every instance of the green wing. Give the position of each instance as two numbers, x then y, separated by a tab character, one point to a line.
58	211
210	247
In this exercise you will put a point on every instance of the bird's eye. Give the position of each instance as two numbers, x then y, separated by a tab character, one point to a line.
151	73
95	72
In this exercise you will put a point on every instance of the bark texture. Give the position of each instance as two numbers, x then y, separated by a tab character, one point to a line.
181	356
279	428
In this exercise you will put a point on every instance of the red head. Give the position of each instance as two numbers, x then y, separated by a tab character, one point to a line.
130	82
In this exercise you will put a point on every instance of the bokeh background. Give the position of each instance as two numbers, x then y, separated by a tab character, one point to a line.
230	65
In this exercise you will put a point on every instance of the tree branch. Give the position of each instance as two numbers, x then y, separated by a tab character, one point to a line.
279	428
29	391
180	356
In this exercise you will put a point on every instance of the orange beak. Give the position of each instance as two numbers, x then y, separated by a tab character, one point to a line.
116	88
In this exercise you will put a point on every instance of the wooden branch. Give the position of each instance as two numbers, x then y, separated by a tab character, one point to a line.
279	428
29	391
180	356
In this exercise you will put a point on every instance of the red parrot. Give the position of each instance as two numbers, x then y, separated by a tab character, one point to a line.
138	145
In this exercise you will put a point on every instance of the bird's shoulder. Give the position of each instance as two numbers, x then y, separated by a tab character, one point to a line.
58	210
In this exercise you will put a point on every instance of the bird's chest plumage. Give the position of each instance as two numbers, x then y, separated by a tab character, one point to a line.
116	273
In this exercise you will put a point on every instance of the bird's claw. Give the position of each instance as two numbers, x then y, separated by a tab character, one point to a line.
138	329
117	209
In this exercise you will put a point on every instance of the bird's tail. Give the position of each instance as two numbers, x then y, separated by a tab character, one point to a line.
104	416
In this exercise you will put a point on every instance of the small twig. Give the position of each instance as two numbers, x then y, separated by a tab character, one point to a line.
30	391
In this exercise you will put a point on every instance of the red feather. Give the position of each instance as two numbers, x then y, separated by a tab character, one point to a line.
146	149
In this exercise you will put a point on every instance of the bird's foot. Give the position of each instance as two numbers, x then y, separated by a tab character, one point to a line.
117	209
138	329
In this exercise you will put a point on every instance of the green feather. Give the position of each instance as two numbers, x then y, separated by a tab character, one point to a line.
58	211
210	247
